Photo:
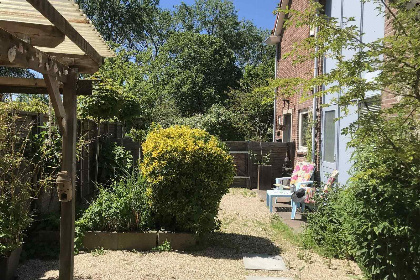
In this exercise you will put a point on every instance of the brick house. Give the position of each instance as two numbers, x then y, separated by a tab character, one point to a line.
292	117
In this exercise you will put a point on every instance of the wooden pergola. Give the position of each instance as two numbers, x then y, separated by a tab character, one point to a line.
54	38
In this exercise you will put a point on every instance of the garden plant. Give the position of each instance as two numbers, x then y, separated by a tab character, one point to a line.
15	182
374	217
188	171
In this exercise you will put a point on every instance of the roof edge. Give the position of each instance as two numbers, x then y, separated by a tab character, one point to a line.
278	26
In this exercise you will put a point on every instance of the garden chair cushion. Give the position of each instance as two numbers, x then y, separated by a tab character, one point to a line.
303	172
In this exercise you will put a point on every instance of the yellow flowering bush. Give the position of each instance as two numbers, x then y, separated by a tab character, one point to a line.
188	171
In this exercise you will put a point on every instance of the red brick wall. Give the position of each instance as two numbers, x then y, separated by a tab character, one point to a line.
285	69
388	99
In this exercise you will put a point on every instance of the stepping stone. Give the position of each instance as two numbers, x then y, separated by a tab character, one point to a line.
263	262
266	278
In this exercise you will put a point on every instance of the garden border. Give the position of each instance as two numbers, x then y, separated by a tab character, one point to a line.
140	241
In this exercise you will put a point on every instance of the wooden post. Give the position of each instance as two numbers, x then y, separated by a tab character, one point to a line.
69	165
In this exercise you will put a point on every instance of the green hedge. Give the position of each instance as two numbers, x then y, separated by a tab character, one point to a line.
188	171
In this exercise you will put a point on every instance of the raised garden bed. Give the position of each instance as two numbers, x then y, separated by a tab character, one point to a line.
136	240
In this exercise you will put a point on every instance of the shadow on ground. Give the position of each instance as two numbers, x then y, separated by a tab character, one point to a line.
221	245
36	269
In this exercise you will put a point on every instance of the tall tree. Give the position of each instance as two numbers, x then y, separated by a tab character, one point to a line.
124	22
198	70
220	19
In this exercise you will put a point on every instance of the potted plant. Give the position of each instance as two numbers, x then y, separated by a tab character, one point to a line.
15	192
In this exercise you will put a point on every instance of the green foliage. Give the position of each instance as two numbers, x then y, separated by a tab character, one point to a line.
385	185
113	97
115	162
219	18
123	207
374	219
45	149
326	227
197	70
164	247
188	171
255	109
15	72
173	65
218	121
98	252
260	159
35	103
308	137
253	102
120	21
15	179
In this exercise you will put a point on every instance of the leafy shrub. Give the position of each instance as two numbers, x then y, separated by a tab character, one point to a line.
189	171
376	219
45	150
123	207
325	228
15	182
115	162
218	121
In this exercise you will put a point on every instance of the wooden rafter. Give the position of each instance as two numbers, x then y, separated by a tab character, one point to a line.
38	86
50	13
40	35
54	93
83	63
17	53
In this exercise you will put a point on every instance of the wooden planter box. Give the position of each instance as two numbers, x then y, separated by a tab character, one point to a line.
9	265
120	240
140	241
179	241
264	177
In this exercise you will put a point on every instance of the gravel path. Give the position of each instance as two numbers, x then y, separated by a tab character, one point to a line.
245	229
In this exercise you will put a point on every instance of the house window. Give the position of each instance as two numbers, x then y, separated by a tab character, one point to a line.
287	128
329	136
303	130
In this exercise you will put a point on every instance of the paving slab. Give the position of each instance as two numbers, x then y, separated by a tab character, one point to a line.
266	278
263	262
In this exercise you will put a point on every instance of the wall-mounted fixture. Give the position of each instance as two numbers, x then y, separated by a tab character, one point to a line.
64	187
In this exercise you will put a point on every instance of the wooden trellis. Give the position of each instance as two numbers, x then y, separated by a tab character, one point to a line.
54	38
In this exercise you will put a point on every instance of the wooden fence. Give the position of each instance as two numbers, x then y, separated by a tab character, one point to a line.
281	156
87	137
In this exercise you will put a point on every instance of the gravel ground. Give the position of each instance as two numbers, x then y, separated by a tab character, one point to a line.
245	229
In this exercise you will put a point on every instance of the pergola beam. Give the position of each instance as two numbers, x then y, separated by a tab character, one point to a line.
38	86
83	63
50	13
40	35
17	53
57	103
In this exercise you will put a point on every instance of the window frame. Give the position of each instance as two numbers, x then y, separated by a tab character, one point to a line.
300	134
290	128
324	140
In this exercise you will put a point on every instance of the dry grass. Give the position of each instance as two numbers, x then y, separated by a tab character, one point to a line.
245	229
